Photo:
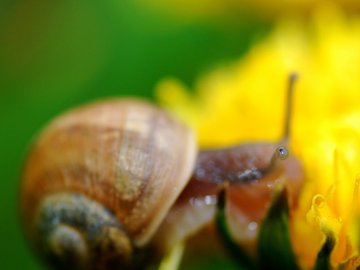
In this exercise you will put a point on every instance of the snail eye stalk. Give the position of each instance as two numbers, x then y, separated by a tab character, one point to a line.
289	105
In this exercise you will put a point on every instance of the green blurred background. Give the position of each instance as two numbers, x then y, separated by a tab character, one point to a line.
57	54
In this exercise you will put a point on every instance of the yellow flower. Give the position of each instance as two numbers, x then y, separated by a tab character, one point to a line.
245	101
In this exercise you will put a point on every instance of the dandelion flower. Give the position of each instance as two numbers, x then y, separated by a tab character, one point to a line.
245	101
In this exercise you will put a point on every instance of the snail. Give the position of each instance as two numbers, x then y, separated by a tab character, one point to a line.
105	183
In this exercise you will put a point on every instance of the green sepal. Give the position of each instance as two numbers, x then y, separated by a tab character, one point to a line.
240	257
323	257
274	244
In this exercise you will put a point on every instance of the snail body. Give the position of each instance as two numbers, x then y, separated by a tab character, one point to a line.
105	181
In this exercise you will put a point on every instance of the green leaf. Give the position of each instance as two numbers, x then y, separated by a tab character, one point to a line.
323	257
274	245
243	260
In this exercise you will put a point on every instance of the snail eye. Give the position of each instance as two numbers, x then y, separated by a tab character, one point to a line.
282	152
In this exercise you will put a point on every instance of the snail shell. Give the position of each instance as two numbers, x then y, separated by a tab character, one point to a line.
100	179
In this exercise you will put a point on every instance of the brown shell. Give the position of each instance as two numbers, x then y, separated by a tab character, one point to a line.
126	154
